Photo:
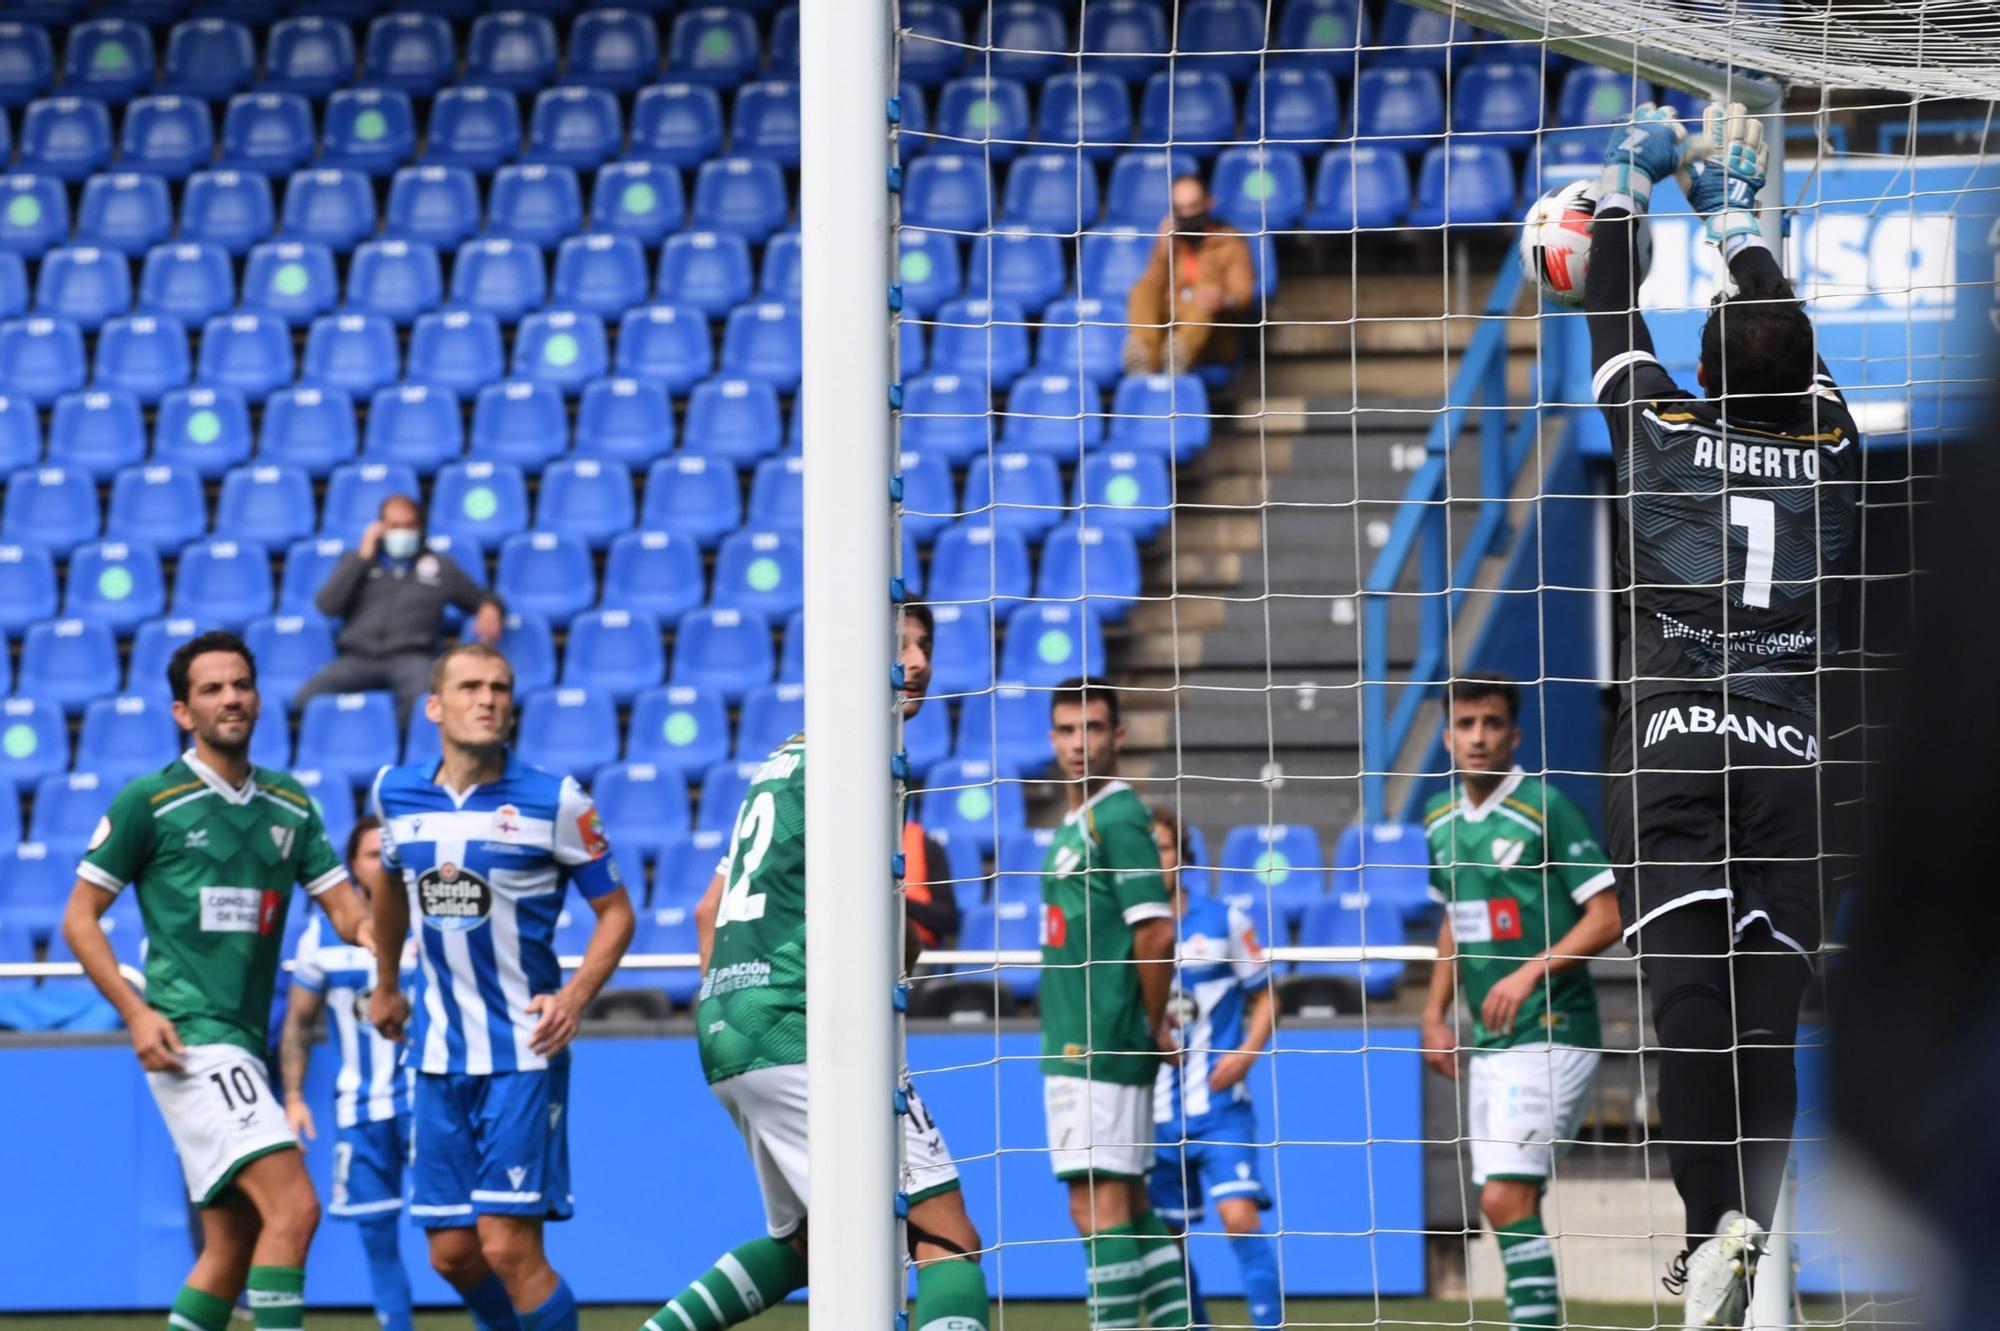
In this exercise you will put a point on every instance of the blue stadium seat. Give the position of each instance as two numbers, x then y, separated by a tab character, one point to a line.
617	652
934	48
412	53
1083	338
1047	644
972	803
534	202
51	507
625	420
656	572
210	58
667	344
97	432
677	124
1464	184
642	200
929	502
644	807
354	495
735	420
1130	491
456	349
928	269
1389	863
128	736
1560	157
34	213
782	275
693	497
687	867
568	731
1418	38
83	284
724	649
762	571
546	572
714	45
223	582
438	205
1027	39
1259	189
744	195
345	736
777	494
985	341
575	127
1009	728
1351	919
309	55
414	424
982	117
680	729
1292	105
1599	97
973	562
1398	107
709	270
589	498
1140	183
1321	34
524	423
394	279
792	661
948	192
1125	39
332	206
1018	491
1192	109
1018	859
1359	189
334	800
1271	872
600	274
290	650
20	433
1013	264
561	347
352	352
160	505
1099	565
271	504
311	428
421	743
1161	412
722	789
512	51
1053	413
34	744
205	429
268	132
962	659
27	62
1050	191
503	278
1222	36
153	643
765	121
473	127
764	340
1109	261
480	501
114	582
293	280
1088	111
613	48
186	282
781	53
65	137
948	415
772	714
67	809
1500	103
231	209
41	358
530	647
144	354
68	662
126	211
371	130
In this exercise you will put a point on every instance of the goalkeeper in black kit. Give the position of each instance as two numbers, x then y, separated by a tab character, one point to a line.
1736	530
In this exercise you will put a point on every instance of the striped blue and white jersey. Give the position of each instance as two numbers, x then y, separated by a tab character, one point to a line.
371	1087
1217	964
486	871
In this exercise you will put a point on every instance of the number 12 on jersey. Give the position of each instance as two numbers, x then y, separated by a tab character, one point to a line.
756	821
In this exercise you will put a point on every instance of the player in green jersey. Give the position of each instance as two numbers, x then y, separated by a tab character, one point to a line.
1527	904
1107	965
750	1020
213	847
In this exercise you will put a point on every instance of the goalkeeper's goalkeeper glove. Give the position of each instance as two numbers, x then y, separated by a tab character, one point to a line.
1639	155
1722	173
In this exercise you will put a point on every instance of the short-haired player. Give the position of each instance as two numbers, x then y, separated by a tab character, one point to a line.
1528	902
213	845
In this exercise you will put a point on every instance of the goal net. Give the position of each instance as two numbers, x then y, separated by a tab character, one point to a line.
1217	381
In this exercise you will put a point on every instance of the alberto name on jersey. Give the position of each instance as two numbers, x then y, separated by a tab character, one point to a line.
485	871
370	1087
1217	964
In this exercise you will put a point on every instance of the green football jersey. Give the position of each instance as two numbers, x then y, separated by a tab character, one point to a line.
1514	873
752	1009
1101	877
214	868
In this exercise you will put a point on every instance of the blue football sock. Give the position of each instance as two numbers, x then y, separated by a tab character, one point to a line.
557	1314
386	1276
489	1305
1257	1257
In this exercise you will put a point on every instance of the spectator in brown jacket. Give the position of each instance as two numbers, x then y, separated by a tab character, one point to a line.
1198	283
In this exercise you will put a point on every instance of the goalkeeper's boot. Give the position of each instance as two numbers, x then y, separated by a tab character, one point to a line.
1718	1275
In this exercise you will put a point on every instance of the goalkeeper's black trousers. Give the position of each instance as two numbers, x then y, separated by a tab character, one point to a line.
1726	1013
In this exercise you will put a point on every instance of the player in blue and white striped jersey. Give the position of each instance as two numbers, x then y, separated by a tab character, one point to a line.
487	846
1203	1120
371	1108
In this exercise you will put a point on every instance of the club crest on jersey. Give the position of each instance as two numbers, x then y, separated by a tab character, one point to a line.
1055	927
453	899
591	828
197	839
506	820
1505	917
1507	853
281	837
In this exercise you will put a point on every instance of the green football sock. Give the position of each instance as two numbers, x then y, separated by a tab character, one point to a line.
277	1298
951	1296
196	1310
1114	1277
1530	1263
1163	1290
743	1282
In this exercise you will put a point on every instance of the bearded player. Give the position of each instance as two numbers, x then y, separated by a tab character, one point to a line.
1736	530
750	1020
213	846
1527	904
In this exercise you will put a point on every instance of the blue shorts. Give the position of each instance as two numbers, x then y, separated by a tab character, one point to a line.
368	1168
494	1144
1219	1165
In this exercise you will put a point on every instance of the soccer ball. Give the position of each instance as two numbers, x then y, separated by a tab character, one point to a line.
1555	241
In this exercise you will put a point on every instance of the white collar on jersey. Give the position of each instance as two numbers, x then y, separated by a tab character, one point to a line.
1108	788
213	780
1477	812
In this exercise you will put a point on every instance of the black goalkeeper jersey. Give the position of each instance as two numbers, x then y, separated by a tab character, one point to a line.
1732	542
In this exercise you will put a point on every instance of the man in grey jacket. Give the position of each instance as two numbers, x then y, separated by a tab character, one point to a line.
390	591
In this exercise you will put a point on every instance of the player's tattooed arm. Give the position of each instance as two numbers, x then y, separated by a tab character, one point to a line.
302	1013
154	1039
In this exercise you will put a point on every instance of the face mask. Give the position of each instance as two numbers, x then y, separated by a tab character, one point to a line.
400	542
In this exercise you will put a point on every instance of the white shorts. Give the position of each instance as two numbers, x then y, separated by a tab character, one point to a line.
1523	1107
769	1108
221	1114
1098	1127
